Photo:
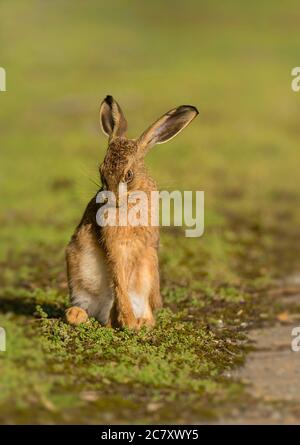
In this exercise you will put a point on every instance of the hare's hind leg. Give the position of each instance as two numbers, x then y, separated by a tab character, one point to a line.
89	279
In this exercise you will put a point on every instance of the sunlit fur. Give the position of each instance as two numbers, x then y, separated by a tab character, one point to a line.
113	272
96	255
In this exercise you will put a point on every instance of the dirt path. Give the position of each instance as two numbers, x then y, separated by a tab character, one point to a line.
272	371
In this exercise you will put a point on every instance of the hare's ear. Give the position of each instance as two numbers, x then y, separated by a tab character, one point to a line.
167	126
112	120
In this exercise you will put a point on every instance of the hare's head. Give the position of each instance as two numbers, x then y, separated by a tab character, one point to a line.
124	160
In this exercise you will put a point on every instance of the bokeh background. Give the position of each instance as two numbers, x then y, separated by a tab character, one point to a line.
232	60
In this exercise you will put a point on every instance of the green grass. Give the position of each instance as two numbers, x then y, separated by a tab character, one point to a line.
233	61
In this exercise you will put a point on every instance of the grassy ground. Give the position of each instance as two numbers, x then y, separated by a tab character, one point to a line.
233	61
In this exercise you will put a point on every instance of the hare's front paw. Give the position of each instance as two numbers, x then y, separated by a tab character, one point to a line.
149	322
128	321
75	315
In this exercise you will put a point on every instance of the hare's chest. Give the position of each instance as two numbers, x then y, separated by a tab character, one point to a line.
132	263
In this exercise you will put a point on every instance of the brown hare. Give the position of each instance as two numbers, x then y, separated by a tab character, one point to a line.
113	271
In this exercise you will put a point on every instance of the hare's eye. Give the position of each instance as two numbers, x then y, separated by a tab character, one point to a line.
128	177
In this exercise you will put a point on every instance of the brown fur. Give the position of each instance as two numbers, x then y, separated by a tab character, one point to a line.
113	272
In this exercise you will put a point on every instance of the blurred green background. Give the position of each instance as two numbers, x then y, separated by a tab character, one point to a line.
231	59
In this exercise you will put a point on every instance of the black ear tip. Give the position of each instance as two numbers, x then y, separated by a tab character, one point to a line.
190	108
109	100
